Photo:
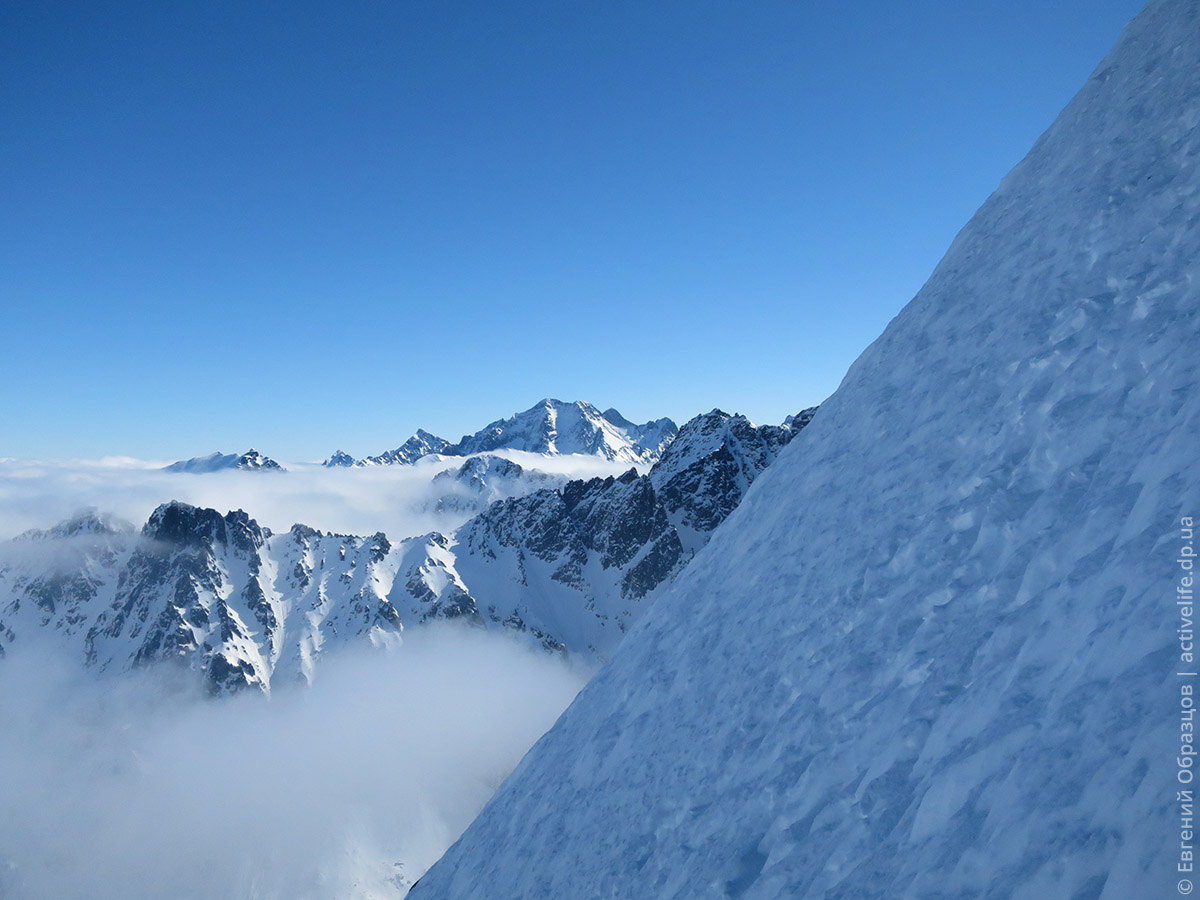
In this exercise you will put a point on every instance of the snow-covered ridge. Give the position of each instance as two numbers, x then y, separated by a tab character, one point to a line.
85	522
418	446
555	427
549	427
250	461
934	651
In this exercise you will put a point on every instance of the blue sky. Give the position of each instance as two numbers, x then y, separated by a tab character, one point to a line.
305	226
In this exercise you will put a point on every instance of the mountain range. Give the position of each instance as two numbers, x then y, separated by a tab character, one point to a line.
567	564
549	427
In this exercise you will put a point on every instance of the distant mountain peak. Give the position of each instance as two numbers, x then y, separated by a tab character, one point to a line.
87	521
339	459
250	461
616	418
181	524
550	426
422	443
554	427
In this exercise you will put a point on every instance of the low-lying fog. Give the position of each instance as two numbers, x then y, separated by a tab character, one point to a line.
398	500
134	788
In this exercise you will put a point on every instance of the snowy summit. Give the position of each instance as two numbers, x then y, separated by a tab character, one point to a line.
550	427
250	461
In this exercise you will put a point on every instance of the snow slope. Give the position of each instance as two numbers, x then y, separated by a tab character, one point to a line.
933	653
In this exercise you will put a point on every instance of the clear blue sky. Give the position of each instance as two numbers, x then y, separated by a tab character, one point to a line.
304	226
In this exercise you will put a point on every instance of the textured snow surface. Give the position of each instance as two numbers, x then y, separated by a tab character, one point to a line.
933	652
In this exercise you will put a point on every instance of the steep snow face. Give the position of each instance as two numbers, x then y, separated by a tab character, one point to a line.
251	460
934	651
556	427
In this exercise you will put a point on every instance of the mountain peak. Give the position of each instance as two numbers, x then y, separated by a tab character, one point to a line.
87	521
250	461
550	426
339	459
422	443
180	524
554	427
616	418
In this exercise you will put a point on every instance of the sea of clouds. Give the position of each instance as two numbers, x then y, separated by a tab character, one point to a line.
135	787
398	500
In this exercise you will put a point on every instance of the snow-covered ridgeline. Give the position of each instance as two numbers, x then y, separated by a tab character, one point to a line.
549	426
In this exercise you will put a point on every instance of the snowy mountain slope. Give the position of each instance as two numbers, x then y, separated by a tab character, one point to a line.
63	569
651	436
933	653
251	460
550	426
582	562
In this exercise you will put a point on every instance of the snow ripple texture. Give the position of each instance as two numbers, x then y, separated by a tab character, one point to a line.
933	652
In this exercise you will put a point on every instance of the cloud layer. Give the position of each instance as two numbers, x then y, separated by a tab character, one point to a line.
133	788
398	500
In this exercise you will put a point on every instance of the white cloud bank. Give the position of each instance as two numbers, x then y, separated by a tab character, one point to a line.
122	788
397	500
